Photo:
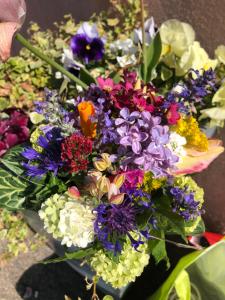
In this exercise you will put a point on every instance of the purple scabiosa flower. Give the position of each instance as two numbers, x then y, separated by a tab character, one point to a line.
49	160
184	203
86	44
142	143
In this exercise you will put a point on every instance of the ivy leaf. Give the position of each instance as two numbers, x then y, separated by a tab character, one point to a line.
73	255
12	190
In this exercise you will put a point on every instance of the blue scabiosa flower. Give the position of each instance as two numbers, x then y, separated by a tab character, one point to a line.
49	160
86	44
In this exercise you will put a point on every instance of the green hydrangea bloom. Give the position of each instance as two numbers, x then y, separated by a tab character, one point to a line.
124	269
187	181
34	139
190	229
50	211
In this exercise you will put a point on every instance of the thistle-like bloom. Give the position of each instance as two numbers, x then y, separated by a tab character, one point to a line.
75	152
86	44
49	160
115	221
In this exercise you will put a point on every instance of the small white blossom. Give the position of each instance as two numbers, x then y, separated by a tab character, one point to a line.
176	144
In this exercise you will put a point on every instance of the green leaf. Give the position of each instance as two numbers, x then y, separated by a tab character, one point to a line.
183	286
86	77
12	160
157	247
151	59
175	222
163	292
11	190
73	255
206	273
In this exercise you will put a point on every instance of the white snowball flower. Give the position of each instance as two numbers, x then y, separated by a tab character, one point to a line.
176	144
76	224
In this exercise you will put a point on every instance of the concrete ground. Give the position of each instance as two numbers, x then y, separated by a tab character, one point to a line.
25	278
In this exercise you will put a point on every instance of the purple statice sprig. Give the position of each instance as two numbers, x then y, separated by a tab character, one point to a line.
193	91
55	113
49	160
184	203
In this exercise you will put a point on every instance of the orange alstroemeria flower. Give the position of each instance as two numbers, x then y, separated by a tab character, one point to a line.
86	111
12	15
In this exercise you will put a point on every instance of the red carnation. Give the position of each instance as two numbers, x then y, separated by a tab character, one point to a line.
75	152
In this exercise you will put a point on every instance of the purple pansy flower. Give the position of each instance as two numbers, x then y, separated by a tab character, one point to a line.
86	44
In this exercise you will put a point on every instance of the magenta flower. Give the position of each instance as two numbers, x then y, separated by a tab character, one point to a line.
13	129
12	16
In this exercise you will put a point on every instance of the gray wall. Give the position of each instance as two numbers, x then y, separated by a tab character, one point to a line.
207	17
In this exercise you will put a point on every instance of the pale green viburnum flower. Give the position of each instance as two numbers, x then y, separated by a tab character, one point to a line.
125	268
50	212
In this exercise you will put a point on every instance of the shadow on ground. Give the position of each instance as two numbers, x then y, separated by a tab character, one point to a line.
52	282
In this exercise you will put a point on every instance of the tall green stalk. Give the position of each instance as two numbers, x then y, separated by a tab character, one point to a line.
143	30
49	61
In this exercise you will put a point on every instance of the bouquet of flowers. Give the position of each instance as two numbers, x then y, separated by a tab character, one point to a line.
106	162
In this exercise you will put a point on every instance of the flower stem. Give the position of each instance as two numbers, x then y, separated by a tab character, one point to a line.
143	30
49	61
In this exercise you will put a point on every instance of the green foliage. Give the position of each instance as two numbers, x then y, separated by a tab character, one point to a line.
15	236
157	247
11	190
17	190
79	254
151	58
203	269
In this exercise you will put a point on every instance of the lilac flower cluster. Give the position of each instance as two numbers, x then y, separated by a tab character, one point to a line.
184	203
142	143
